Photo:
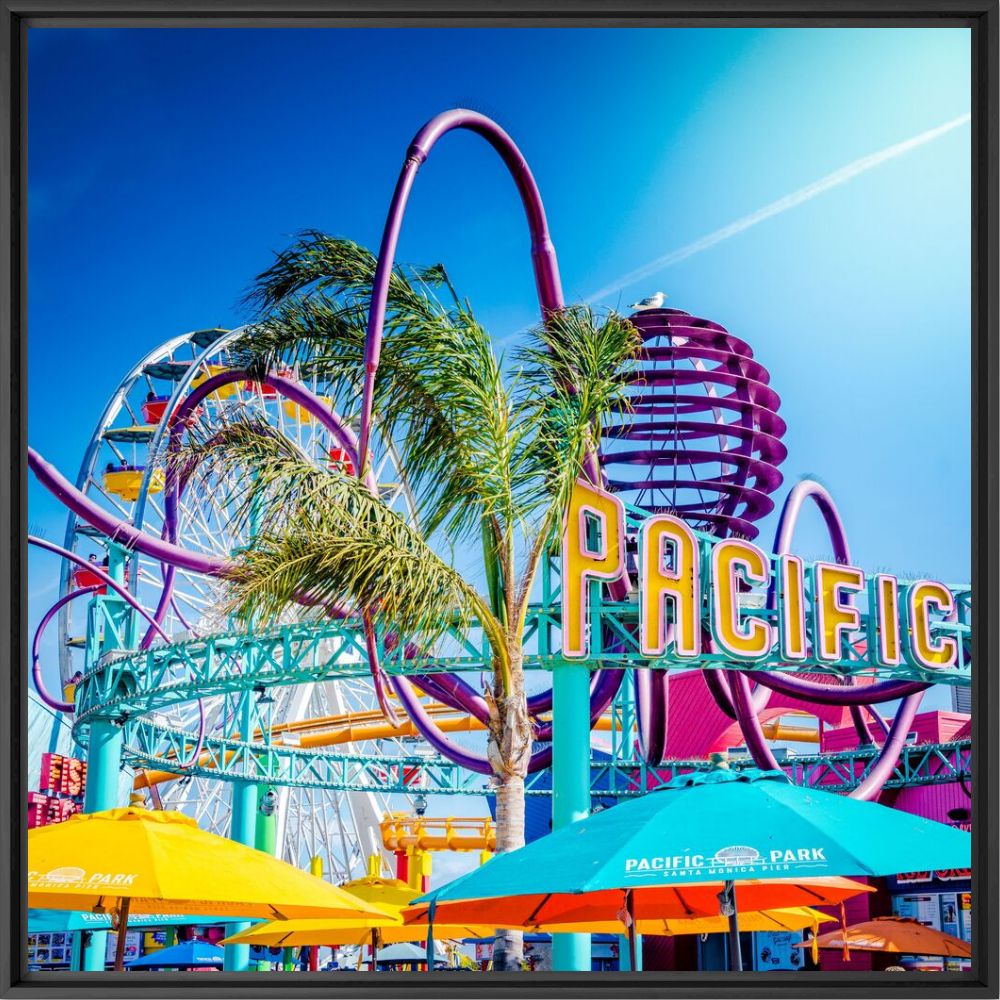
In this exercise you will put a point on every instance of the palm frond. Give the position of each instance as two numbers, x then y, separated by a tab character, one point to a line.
320	533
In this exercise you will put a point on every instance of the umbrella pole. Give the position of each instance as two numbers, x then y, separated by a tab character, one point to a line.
122	931
374	949
735	955
430	935
633	950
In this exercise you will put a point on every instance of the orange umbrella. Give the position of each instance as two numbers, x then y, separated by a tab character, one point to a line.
895	934
659	902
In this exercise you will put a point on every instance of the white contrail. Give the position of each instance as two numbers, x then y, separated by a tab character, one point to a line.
838	177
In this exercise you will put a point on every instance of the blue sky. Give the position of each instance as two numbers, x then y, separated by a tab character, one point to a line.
166	165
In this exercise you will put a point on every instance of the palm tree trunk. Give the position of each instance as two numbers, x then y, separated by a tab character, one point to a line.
510	752
508	947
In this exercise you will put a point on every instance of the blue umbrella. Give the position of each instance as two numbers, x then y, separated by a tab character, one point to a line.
195	954
713	826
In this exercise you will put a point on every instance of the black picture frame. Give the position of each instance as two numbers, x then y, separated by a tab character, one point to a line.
981	16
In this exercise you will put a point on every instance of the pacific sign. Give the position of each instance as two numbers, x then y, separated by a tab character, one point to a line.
685	579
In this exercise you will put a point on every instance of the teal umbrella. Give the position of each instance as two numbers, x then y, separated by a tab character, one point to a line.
716	826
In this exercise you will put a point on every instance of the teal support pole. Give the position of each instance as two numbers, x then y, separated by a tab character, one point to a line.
266	829
242	829
104	749
104	759
76	955
570	783
625	958
265	836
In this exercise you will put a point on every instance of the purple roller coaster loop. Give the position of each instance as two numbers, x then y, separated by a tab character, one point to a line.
36	667
550	299
543	254
123	593
800	688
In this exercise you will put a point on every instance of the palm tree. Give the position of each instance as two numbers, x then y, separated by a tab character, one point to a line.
490	450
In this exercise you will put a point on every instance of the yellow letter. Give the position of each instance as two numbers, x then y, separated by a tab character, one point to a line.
735	561
791	608
587	558
883	620
933	655
833	617
679	585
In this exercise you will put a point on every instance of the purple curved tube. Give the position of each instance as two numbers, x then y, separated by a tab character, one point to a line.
195	753
464	758
543	255
541	701
718	686
876	717
377	674
430	732
165	601
543	252
345	437
651	708
827	694
117	530
797	495
291	390
604	686
651	694
454	692
36	667
739	685
130	600
99	573
861	727
895	741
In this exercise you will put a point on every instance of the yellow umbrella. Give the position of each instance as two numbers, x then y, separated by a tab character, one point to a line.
161	862
387	892
390	894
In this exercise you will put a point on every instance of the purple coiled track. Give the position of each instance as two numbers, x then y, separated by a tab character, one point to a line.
702	435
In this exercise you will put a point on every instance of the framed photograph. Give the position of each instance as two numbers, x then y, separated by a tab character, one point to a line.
500	502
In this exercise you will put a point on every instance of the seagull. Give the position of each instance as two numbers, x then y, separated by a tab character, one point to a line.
651	302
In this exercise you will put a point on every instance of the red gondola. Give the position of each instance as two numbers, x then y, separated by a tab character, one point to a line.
154	408
341	461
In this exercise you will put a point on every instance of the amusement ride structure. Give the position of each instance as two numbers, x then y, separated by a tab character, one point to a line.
211	716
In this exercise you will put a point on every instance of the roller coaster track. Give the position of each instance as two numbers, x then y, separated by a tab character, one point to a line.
280	764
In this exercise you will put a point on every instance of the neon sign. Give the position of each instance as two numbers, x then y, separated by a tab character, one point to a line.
705	598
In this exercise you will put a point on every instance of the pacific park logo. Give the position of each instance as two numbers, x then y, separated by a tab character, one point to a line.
71	877
727	861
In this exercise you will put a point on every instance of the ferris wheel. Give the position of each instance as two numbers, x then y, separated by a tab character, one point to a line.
125	471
